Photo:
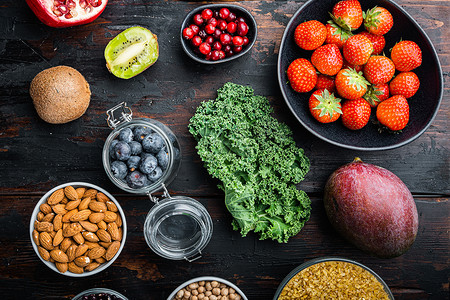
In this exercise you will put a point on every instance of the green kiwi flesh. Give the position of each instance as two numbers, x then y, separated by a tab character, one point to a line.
131	52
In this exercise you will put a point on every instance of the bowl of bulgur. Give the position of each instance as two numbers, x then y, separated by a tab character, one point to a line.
332	278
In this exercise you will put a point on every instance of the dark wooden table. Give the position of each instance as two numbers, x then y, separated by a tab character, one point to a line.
36	156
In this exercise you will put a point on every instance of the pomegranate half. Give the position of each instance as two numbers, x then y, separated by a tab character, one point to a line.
66	13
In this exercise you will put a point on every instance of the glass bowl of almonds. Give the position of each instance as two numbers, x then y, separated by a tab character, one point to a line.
78	229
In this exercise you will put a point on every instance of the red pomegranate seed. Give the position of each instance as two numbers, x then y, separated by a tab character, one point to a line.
70	4
63	9
57	12
95	3
83	3
68	16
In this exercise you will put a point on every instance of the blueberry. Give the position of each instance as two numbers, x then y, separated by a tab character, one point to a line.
119	169
148	164
163	159
112	154
140	132
133	162
122	151
126	135
170	135
136	147
152	143
137	180
155	174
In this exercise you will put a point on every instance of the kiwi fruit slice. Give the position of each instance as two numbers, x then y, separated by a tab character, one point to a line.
131	52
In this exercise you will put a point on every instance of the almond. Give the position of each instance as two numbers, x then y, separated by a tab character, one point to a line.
70	193
71	252
78	238
102	225
82	261
64	200
62	267
96	252
111	206
57	222
112	250
72	204
65	225
102	197
73	229
52	233
120	234
103	235
98	206
36	237
81	215
43	253
110	216
89	226
92	266
91	245
40	216
65	244
58	238
66	217
100	260
43	226
113	231
91	193
96	217
119	221
81	249
84	204
56	197
80	192
59	256
74	268
105	244
91	237
45	208
59	209
48	218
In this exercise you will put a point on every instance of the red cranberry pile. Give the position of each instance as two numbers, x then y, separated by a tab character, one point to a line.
216	34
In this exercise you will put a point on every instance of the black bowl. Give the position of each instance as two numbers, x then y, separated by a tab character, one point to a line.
240	12
423	105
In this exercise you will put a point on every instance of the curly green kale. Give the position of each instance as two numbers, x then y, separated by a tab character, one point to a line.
257	161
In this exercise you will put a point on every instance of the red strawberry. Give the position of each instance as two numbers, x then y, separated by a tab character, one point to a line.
310	35
405	83
336	35
357	49
348	14
325	82
393	112
347	65
351	84
376	93
302	75
324	107
327	59
406	56
378	20
355	113
378	42
379	69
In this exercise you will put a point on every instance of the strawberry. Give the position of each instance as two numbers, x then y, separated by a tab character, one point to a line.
347	65
324	107
325	82
378	20
357	49
336	35
378	41
379	69
351	84
393	112
405	83
355	113
376	93
348	14
327	59
310	35
302	75
406	56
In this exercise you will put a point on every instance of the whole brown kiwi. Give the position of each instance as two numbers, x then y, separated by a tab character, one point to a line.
60	94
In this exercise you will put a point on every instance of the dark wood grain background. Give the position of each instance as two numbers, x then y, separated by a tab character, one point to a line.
36	156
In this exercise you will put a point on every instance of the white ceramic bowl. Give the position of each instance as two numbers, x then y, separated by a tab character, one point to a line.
207	278
99	290
77	185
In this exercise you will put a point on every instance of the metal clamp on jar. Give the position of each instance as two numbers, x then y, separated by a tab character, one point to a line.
142	156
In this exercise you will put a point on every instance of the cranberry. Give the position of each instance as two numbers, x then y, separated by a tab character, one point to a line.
207	14
231	17
217	34
227	48
242	29
216	14
208	56
221	55
205	48
238	41
224	13
209	39
222	24
213	22
202	33
210	29
240	19
229	53
245	40
198	20
196	41
215	55
217	45
231	27
225	39
195	28
188	33
236	49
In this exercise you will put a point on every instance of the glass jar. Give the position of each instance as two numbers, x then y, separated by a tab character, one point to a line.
176	227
